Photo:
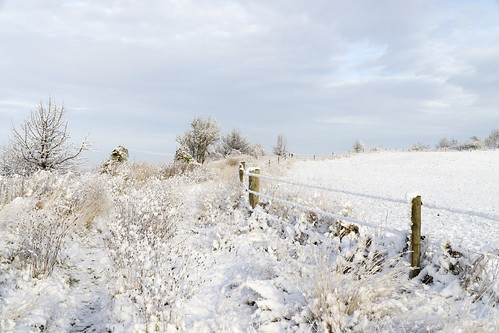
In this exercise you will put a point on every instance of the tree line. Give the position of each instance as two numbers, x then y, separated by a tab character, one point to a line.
41	143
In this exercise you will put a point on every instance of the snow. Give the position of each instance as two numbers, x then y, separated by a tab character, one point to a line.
451	183
148	253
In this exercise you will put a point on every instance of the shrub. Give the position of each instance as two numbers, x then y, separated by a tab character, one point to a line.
420	147
473	143
43	235
351	294
182	155
118	156
493	140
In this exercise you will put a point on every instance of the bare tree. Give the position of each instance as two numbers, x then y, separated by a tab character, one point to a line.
358	146
444	143
204	133
41	142
493	140
281	147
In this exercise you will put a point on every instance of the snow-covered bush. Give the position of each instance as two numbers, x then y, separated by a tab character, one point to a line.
118	155
43	236
350	293
473	143
182	155
153	269
420	147
445	143
12	163
476	274
60	205
492	141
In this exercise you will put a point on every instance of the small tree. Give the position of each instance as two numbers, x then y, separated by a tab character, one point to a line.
204	133
118	156
258	150
234	141
182	155
281	147
41	142
493	140
358	146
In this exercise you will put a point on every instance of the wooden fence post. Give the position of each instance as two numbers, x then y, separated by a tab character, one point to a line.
242	167
416	237
254	185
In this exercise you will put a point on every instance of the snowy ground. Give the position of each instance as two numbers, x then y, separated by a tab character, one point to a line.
457	181
140	251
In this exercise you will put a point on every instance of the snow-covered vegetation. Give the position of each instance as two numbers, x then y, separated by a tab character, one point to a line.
150	248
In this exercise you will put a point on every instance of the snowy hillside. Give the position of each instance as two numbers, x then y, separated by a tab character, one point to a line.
160	248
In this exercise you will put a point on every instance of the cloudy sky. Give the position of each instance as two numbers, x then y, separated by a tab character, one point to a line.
321	72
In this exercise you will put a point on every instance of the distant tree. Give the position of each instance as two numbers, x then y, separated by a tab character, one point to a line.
358	146
474	143
281	147
204	133
493	140
258	150
444	143
420	147
41	142
234	141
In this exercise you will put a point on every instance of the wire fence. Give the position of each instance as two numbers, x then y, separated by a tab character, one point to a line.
428	205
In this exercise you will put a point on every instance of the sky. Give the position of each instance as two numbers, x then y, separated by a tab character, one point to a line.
323	73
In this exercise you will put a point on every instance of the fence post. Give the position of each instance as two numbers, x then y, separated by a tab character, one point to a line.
416	237
254	185
242	167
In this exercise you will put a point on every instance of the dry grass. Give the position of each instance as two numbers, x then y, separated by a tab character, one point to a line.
43	239
352	294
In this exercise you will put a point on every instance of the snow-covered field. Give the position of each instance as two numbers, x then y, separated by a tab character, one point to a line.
142	250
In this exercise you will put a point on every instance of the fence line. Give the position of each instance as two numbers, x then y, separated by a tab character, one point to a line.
328	189
321	212
430	205
348	219
254	192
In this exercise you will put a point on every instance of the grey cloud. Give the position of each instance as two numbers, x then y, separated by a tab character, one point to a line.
156	64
